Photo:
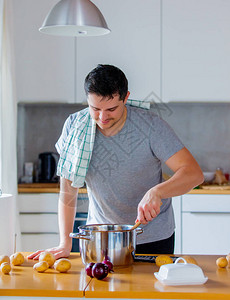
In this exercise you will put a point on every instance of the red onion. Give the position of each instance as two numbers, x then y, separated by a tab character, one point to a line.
88	269
108	264
100	271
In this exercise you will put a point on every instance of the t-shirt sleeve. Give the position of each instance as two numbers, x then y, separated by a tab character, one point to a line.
65	131
164	141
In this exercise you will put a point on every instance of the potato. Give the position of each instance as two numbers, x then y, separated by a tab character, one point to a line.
62	265
5	268
221	262
4	258
163	259
228	259
48	257
17	259
41	266
189	260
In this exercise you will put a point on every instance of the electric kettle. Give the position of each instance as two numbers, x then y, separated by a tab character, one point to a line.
47	167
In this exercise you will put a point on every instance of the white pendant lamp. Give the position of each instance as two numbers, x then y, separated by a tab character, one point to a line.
75	18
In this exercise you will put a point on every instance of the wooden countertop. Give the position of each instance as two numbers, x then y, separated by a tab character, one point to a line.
136	281
55	188
210	192
24	281
139	281
43	188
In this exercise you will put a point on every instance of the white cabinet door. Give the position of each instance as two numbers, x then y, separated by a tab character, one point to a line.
133	45
196	47
205	233
39	222
47	202
176	203
205	224
39	241
38	203
45	64
39	219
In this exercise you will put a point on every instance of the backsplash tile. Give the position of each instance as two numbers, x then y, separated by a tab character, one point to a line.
204	128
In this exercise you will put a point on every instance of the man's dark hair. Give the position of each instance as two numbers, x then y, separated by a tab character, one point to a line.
106	80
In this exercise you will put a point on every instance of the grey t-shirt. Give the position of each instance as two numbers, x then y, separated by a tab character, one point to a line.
124	167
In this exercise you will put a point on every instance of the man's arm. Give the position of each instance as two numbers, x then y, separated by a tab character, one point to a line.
187	175
66	212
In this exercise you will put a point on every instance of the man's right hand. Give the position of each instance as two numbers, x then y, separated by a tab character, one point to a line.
58	252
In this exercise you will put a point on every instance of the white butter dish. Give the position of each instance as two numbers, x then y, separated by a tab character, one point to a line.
181	274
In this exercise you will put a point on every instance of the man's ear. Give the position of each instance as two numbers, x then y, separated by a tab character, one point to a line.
126	97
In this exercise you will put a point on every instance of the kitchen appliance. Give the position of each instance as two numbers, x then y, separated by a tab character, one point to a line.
116	242
47	167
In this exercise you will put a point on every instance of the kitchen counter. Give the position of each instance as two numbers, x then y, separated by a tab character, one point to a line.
55	188
136	281
24	281
43	188
210	191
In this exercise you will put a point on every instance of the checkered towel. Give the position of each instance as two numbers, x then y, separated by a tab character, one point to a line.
77	150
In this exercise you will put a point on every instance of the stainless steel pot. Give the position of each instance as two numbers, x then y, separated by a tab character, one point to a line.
99	241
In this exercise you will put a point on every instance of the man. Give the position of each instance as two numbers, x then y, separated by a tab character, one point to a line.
123	169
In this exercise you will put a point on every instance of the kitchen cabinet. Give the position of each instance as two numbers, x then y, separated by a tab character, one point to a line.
202	219
39	219
53	69
7	229
195	50
133	45
205	224
44	64
172	51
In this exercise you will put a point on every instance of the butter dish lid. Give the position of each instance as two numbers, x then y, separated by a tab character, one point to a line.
181	274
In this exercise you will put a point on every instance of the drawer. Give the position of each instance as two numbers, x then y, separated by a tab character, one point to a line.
38	202
206	203
48	203
39	223
205	233
33	242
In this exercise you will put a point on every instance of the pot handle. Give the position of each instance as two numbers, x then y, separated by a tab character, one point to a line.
79	236
139	230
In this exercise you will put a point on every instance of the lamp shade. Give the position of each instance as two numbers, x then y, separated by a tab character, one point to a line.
75	18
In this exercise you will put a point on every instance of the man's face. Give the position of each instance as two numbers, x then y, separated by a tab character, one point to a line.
108	113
